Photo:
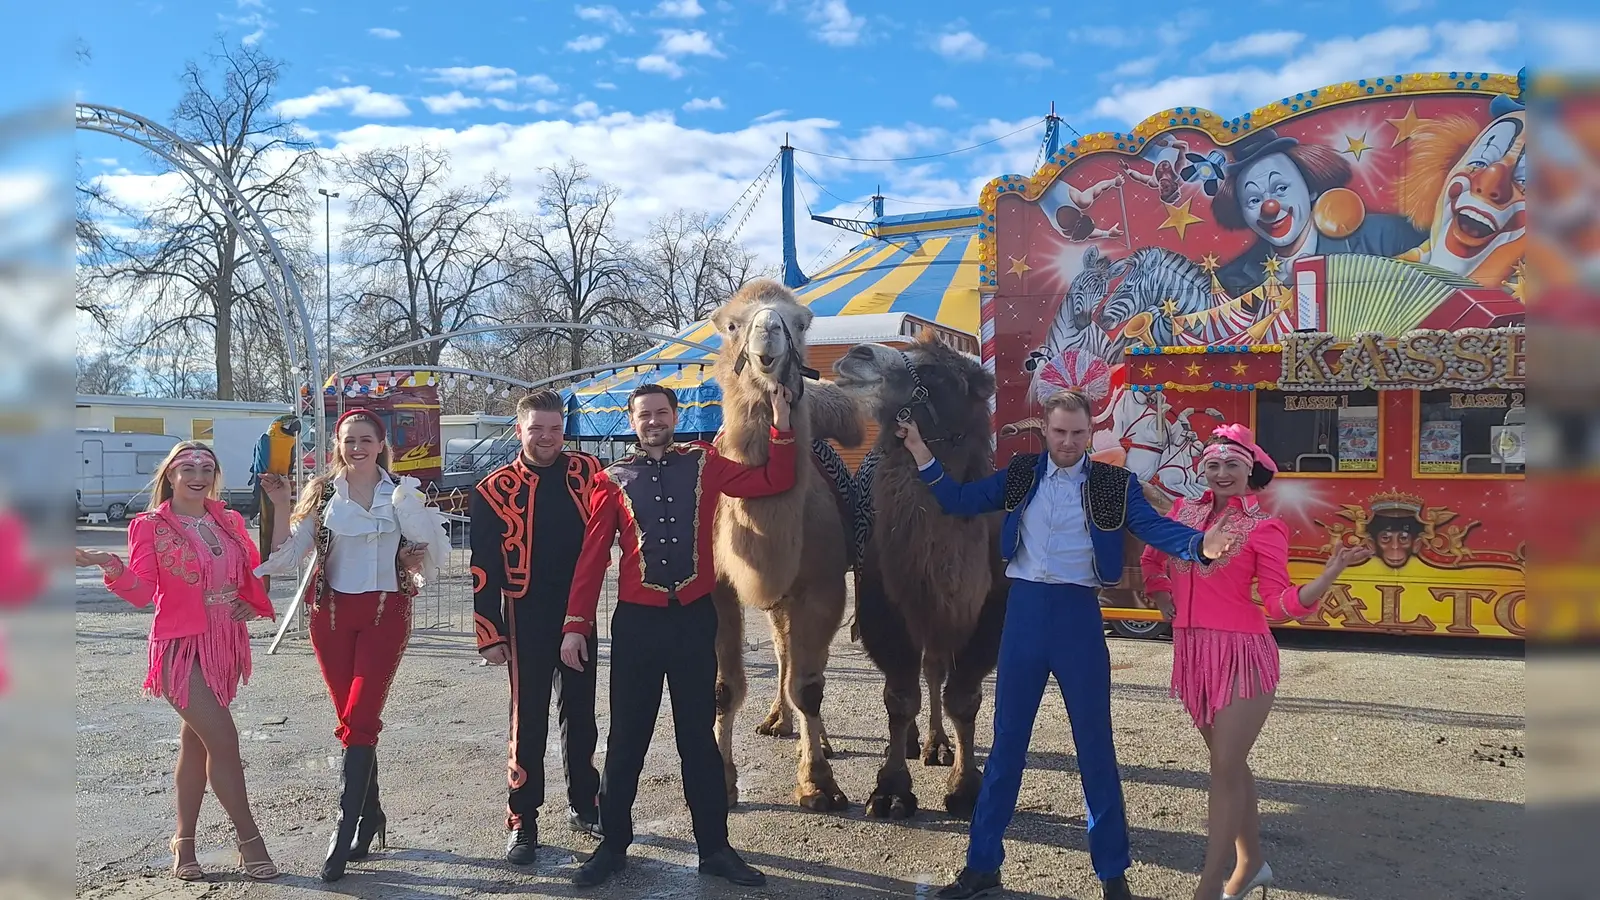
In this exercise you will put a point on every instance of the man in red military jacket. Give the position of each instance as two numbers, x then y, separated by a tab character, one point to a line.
662	498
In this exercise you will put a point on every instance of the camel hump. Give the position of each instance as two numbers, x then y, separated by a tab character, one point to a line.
834	415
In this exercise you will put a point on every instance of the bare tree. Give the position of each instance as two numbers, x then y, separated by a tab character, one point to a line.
428	256
104	373
686	269
578	270
192	277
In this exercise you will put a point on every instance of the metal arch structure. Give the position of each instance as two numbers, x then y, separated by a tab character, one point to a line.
194	164
371	359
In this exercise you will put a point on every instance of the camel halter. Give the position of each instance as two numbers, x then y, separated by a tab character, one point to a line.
920	397
792	356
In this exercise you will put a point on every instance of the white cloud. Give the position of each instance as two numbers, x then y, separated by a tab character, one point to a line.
605	15
699	103
453	102
1136	68
483	78
541	106
1031	60
659	65
254	37
544	84
1111	36
945	101
680	9
361	101
1447	45
605	85
586	43
1401	7
588	109
960	45
1262	43
676	42
771	116
836	25
387	34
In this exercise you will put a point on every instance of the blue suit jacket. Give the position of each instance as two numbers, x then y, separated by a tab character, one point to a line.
1112	502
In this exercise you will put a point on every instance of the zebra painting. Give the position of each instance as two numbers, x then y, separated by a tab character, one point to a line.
1158	282
1074	327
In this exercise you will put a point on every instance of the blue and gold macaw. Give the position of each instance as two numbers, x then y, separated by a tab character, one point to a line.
274	455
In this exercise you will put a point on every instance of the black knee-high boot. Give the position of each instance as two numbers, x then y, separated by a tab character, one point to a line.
353	797
373	822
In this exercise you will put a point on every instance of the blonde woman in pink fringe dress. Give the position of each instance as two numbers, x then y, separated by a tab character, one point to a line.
192	558
1224	659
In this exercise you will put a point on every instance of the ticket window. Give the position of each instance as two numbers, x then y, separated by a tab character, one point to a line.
1322	433
1470	433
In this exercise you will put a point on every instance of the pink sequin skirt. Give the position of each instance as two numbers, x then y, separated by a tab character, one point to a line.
222	652
1210	668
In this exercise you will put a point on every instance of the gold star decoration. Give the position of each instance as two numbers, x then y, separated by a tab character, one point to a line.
1355	146
1169	306
1193	369
1209	263
1239	368
1147	370
1273	266
1018	266
1179	218
1517	284
1405	126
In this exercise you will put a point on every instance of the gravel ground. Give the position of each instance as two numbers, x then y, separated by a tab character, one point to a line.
1387	770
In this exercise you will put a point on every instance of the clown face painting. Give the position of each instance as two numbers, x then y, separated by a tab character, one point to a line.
1275	201
1468	186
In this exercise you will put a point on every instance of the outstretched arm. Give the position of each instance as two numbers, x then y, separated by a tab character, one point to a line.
725	476
1158	531
955	498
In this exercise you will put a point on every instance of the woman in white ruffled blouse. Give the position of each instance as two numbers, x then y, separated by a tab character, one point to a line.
375	536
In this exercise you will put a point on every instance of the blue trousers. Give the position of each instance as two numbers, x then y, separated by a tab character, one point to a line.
1052	629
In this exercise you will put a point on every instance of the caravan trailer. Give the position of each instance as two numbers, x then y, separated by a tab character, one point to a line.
114	469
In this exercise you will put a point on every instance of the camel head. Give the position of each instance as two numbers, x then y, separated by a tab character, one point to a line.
763	331
946	391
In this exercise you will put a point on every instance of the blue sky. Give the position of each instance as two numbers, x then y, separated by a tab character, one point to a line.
682	102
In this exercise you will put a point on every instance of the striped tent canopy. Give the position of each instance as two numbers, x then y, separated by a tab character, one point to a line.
925	264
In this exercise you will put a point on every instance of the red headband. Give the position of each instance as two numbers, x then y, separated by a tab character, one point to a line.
367	414
1244	438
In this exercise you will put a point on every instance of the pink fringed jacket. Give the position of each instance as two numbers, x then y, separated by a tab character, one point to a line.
1218	596
164	567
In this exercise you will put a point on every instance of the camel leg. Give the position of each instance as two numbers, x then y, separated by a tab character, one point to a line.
731	684
963	696
893	798
937	750
779	723
815	787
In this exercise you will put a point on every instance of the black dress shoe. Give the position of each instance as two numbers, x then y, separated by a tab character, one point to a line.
1116	889
727	865
584	823
971	884
521	844
602	865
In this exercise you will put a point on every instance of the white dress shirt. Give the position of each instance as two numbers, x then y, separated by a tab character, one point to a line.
1053	540
361	557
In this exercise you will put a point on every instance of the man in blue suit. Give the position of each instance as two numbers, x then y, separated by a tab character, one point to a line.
1062	539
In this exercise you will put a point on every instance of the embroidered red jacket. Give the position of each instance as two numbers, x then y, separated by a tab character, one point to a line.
665	512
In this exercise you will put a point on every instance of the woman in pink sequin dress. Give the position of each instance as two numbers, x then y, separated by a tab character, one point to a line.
192	558
1224	659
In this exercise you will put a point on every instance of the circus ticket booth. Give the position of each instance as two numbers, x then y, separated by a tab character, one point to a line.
1341	270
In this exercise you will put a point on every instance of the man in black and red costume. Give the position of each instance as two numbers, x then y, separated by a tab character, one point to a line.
662	500
528	520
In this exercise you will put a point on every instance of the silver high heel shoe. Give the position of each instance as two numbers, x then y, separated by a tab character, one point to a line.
1262	879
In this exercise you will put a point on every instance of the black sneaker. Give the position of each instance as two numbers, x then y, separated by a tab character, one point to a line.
521	844
602	865
971	884
727	865
588	824
1116	889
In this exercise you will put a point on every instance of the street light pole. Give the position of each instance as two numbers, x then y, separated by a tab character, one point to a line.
327	276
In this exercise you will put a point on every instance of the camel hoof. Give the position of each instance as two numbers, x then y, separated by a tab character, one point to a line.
963	799
821	797
892	806
938	752
777	728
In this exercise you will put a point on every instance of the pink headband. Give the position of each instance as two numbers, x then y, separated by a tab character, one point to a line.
1244	447
194	457
367	414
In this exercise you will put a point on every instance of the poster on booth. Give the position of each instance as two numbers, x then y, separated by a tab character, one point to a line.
1358	439
1383	205
1439	448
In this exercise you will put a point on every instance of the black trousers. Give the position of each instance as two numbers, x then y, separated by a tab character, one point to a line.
534	624
648	644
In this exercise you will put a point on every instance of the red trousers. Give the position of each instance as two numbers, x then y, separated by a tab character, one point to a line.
359	642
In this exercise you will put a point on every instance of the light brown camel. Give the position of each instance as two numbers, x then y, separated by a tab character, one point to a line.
785	555
930	600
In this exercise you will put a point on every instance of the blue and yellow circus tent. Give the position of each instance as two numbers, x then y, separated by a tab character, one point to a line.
925	264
